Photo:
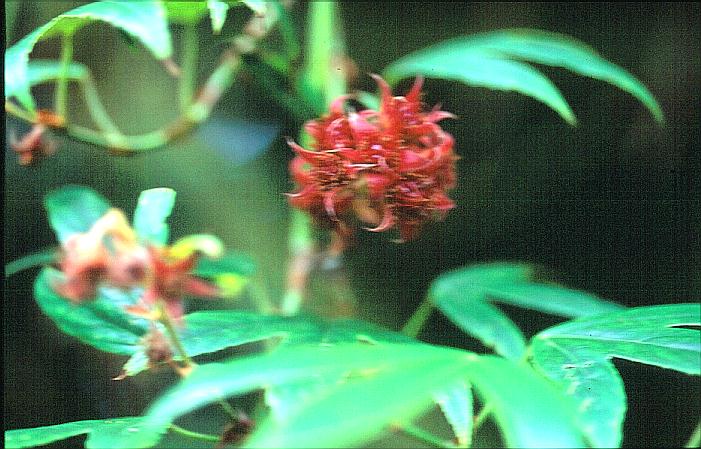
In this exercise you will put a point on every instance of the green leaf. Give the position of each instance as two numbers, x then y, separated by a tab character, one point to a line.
185	12
144	21
152	210
371	101
490	60
457	407
294	364
577	355
102	434
73	209
463	295
43	257
322	80
210	331
357	410
217	14
43	70
527	409
101	323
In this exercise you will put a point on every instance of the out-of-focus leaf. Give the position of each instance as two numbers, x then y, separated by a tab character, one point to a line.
101	323
228	263
358	409
210	331
371	101
185	12
44	257
206	244
257	6
73	209
489	60
529	411
463	295
457	407
577	355
43	70
144	21
217	14
152	210
294	364
114	433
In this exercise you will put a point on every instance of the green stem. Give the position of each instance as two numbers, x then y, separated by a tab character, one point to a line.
195	435
482	416
62	82
95	108
426	437
167	322
17	111
695	438
418	318
302	249
188	78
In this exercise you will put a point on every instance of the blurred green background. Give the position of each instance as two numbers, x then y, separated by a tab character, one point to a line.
612	206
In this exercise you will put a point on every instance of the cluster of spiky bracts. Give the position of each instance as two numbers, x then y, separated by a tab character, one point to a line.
390	168
109	254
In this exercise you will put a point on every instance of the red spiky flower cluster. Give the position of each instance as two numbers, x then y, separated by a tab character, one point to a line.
390	168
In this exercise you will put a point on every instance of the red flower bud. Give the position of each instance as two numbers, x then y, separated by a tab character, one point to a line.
393	167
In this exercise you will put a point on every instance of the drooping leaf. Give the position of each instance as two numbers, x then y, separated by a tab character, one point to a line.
578	354
457	407
144	21
101	323
463	295
210	331
43	257
152	210
492	60
102	434
73	209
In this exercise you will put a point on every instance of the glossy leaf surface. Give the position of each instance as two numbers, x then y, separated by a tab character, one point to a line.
464	296
102	434
578	355
102	323
493	60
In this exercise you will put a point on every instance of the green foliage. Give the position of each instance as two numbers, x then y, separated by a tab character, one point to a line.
493	60
464	296
152	209
210	331
74	209
578	355
43	70
43	257
456	404
145	22
102	323
115	433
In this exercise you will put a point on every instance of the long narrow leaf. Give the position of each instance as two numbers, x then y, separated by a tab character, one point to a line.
463	295
578	355
492	60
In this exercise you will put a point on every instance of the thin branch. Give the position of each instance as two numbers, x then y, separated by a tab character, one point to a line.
195	435
188	80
